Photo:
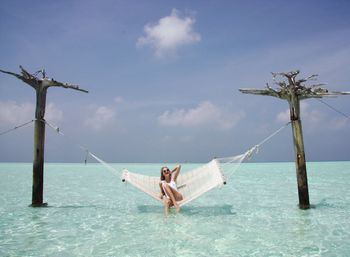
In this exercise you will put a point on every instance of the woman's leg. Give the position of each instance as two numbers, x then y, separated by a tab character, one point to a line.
161	190
170	193
177	194
166	203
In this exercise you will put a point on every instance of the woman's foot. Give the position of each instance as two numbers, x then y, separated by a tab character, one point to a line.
177	208
166	211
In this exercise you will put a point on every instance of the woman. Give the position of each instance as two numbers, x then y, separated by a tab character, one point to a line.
168	188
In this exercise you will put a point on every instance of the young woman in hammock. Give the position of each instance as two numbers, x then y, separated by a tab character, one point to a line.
168	188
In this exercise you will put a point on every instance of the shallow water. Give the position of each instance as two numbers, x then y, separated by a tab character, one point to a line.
92	213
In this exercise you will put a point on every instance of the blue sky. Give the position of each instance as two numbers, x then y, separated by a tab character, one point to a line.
163	77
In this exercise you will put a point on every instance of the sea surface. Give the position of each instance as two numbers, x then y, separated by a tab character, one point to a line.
92	213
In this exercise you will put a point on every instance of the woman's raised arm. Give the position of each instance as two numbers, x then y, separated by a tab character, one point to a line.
176	171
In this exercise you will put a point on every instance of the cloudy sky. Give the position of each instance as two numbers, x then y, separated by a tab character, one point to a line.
163	77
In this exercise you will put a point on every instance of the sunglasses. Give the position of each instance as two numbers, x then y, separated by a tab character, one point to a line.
166	170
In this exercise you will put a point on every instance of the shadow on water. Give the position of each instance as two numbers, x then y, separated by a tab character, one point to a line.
329	203
205	211
73	206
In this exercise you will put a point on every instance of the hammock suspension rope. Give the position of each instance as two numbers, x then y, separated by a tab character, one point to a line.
191	184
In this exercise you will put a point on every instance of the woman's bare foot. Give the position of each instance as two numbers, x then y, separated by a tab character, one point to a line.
177	207
166	211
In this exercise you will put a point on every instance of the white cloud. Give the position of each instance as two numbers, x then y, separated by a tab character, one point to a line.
312	117
53	114
283	116
338	123
169	33
315	119
175	139
101	117
205	113
13	113
118	99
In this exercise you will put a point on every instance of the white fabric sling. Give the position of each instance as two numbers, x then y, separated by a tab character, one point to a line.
191	184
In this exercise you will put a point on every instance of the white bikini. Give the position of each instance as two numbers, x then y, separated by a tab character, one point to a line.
172	184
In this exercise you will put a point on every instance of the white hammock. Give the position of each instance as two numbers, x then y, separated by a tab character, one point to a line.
191	184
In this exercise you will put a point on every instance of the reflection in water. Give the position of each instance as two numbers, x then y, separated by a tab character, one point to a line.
206	211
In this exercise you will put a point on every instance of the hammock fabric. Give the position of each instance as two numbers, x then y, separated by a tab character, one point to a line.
191	184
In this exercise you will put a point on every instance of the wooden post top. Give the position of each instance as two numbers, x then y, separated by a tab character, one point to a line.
39	83
290	88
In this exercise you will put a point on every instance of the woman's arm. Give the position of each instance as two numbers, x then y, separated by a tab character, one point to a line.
162	193
176	170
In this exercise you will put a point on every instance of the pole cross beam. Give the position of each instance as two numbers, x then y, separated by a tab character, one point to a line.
40	85
293	91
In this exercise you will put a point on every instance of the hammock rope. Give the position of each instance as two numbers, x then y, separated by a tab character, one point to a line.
334	109
191	184
238	159
17	127
196	182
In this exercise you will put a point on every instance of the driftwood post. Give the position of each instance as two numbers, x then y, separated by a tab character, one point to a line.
293	91
40	85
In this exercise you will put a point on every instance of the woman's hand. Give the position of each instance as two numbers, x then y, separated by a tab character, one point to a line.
177	167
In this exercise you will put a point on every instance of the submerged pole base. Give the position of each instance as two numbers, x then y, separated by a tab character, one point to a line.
304	206
38	205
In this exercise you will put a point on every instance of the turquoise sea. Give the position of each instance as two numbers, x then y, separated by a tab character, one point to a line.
92	213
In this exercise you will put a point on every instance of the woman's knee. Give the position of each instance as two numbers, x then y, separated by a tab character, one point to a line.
167	202
179	197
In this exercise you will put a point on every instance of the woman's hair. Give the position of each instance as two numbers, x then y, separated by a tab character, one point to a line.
161	173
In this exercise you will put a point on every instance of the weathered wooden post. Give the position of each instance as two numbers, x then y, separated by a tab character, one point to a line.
39	145
40	85
293	91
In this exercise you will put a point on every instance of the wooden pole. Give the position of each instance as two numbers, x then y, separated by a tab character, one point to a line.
39	144
294	91
40	85
300	162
